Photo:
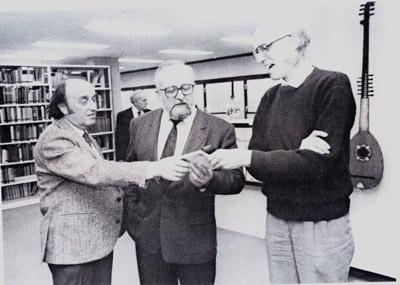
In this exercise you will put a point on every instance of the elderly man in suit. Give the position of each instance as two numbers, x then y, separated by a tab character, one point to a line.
139	107
80	203
173	223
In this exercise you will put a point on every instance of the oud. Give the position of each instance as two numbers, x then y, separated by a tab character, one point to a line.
366	160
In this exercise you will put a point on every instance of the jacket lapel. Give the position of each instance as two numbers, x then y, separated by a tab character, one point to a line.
198	133
151	135
63	124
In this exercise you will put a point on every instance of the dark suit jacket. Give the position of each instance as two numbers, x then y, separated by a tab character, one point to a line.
175	217
122	132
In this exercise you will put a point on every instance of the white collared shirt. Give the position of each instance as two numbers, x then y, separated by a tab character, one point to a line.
135	112
80	133
183	129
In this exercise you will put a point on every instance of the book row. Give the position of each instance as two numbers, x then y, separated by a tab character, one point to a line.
18	191
105	142
18	114
14	153
96	77
21	132
22	74
13	173
103	124
23	94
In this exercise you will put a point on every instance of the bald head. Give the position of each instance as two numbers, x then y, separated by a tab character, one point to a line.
76	100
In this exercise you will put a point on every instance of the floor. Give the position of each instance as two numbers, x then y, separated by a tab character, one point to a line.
241	258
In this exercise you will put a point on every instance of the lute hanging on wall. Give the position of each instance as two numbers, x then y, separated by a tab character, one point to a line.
366	160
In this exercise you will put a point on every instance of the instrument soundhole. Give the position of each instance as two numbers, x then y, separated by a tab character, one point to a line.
363	152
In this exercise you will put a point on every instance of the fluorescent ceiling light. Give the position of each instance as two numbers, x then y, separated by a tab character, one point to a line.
68	45
33	56
139	60
239	39
186	51
130	28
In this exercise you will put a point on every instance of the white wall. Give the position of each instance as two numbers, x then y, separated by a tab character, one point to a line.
337	45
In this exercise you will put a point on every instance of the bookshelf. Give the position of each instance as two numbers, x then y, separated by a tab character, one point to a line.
25	92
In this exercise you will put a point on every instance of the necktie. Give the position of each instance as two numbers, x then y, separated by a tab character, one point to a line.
139	113
87	139
170	144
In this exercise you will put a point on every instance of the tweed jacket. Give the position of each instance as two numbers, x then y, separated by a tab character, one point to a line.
176	218
81	211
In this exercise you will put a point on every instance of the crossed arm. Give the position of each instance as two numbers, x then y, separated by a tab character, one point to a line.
229	159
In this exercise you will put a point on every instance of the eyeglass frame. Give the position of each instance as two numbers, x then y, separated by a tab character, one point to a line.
178	88
263	48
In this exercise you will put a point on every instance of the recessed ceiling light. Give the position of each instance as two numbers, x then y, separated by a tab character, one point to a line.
33	56
186	51
68	45
130	28
139	60
239	39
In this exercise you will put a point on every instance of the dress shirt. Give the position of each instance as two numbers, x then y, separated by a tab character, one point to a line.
135	111
183	132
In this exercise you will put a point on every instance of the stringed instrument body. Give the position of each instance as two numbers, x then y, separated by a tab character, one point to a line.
366	159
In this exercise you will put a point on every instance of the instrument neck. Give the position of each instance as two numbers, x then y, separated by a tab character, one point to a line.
364	114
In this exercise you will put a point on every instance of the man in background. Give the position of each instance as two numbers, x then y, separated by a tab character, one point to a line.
306	181
173	224
79	198
139	107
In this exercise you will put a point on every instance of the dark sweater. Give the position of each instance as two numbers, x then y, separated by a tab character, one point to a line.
303	185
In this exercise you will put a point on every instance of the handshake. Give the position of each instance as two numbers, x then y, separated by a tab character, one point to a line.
199	165
195	164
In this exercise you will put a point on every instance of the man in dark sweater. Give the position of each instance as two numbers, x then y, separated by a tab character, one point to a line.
306	181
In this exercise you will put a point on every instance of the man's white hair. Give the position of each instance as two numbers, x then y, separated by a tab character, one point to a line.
169	66
135	94
268	32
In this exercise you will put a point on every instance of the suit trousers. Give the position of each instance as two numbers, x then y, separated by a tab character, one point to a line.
309	252
154	270
96	272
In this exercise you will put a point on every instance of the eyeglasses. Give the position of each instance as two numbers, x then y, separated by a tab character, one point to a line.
172	91
266	47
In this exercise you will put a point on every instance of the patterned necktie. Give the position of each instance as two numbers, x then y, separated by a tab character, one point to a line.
87	139
170	144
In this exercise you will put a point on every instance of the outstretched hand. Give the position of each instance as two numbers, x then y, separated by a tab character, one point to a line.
172	168
230	158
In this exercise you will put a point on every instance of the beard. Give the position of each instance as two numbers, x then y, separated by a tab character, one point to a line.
180	111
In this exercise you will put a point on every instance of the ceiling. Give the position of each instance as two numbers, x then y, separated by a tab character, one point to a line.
195	25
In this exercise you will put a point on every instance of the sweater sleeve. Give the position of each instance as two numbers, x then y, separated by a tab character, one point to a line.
336	113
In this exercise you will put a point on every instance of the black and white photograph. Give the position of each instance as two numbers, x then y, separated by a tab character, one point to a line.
199	142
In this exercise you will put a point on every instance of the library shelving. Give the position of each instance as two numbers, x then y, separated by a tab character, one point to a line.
25	92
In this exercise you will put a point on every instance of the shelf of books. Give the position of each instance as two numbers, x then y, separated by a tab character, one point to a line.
25	93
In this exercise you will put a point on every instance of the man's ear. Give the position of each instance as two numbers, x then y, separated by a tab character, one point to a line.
63	108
